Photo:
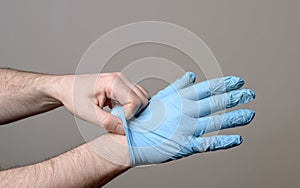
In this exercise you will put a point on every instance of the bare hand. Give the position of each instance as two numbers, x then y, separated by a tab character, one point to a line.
85	96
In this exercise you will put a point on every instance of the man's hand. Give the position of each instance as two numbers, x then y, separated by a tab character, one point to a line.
85	96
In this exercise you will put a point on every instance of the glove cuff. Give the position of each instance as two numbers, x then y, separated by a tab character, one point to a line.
119	113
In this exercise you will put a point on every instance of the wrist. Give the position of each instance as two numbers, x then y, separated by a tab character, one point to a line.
109	155
88	167
115	150
55	87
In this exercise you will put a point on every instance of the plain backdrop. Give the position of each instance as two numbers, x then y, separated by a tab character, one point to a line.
257	40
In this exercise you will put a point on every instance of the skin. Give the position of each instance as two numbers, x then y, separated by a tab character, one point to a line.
24	94
80	167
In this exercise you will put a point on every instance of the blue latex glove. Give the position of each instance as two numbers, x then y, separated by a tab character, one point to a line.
172	125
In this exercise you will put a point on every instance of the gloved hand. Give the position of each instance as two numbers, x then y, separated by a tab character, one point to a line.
172	125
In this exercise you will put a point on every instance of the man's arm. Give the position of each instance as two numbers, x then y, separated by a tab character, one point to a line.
80	167
23	94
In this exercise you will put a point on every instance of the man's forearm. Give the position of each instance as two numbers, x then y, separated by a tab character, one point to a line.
23	94
80	167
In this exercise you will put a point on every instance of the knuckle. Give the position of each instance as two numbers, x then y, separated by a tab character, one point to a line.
114	75
118	75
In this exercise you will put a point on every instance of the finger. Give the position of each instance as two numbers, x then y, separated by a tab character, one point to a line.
109	122
102	101
213	143
212	87
231	119
144	91
219	102
141	95
187	79
139	91
132	107
141	103
126	97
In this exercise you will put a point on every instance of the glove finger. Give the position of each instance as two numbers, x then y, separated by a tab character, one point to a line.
212	87
217	122
187	79
218	102
213	143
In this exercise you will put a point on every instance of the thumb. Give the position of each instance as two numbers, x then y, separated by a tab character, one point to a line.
110	122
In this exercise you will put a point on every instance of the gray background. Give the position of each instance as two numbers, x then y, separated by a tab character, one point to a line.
257	40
